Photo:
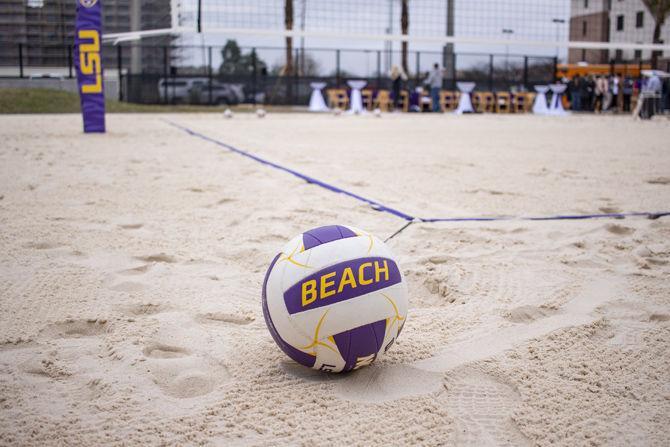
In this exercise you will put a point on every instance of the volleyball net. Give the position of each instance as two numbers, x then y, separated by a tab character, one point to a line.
595	31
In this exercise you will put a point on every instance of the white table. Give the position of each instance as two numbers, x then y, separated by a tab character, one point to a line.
465	103
356	100
316	101
540	104
556	107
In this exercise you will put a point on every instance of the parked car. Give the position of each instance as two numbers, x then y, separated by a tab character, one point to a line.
196	91
177	90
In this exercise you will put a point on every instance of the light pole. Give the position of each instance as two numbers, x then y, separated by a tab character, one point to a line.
509	32
558	23
303	9
389	43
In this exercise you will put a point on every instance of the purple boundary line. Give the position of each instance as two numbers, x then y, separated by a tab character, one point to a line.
380	207
376	205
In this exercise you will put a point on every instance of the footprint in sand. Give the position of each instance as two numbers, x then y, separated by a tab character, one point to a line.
45	366
180	373
42	245
220	202
160	351
619	230
76	328
482	408
527	314
132	226
220	318
146	309
609	210
142	269
160	257
659	181
134	286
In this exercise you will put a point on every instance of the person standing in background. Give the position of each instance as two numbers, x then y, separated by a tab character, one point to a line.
655	87
588	100
398	76
575	87
607	93
601	92
627	91
434	80
615	86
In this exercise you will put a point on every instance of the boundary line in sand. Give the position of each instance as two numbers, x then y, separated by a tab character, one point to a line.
381	207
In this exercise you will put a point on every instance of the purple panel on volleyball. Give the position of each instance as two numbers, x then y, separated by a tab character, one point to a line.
360	344
322	235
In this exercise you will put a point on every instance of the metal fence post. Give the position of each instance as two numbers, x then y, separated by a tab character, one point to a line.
525	72
379	69
555	69
337	67
453	71
165	74
418	68
69	61
296	78
490	72
21	60
119	68
254	74
209	75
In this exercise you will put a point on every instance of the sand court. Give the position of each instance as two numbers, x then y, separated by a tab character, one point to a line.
132	265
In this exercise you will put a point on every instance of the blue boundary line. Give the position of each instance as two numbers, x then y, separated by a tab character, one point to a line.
380	207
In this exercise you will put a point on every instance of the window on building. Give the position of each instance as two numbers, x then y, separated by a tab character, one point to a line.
586	4
584	27
638	54
619	55
583	55
619	23
639	19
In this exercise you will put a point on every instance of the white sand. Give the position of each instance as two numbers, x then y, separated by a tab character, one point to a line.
131	265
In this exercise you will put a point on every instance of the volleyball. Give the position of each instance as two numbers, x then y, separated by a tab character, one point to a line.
334	298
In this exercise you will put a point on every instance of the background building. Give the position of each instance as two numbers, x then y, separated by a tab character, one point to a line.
631	21
40	25
45	30
589	22
613	21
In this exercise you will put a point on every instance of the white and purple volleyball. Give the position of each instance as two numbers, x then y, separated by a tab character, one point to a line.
334	298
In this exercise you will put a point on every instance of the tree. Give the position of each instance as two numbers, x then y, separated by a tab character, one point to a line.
404	26
234	62
309	67
288	25
660	10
